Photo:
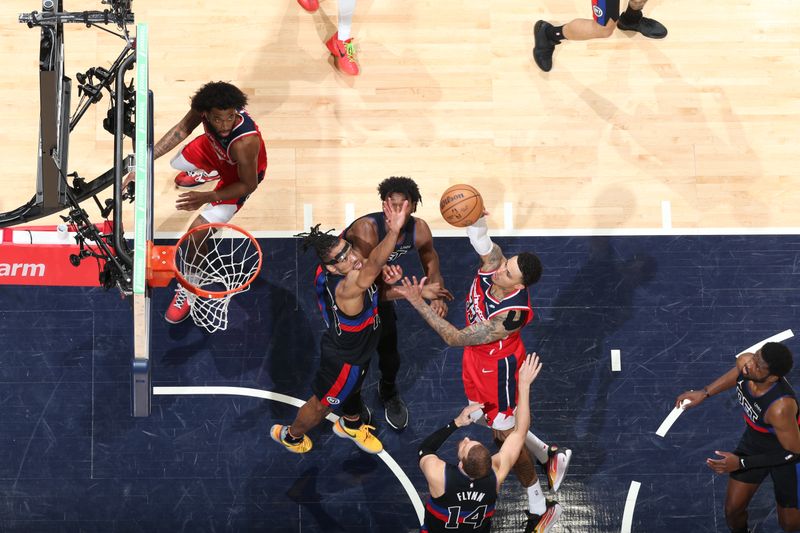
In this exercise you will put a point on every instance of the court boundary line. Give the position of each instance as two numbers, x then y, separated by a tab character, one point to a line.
578	232
401	476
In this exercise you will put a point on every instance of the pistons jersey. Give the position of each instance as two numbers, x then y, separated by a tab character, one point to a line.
481	305
755	408
466	505
245	126
403	246
352	338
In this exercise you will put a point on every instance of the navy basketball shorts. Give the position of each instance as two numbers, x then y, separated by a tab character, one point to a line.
605	10
784	477
337	380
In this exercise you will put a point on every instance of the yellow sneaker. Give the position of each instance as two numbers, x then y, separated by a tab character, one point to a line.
278	432
361	436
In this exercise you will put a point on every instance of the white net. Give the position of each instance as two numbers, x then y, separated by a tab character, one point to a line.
216	262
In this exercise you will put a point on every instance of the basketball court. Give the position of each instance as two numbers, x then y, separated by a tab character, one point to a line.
655	179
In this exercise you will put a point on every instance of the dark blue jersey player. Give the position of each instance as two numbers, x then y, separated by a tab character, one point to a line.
770	444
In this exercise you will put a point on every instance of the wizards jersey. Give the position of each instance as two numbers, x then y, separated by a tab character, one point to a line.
466	505
245	126
755	408
481	305
353	338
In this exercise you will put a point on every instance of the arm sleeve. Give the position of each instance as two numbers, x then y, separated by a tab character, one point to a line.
432	443
781	457
478	234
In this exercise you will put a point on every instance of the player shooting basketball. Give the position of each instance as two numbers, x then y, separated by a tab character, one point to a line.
498	307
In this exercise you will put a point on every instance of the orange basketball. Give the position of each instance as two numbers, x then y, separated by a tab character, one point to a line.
461	205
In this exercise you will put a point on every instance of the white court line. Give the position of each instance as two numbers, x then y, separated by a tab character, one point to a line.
291	400
576	232
508	216
630	504
616	363
666	214
308	217
780	337
677	411
349	213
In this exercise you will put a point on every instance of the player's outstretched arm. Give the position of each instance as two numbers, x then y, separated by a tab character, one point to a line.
722	383
491	254
503	460
177	133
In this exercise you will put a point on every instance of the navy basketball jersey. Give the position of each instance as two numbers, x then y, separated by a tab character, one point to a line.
222	145
755	408
403	246
466	505
353	338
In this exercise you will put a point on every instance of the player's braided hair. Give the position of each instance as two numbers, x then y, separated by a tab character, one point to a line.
218	95
402	185
321	241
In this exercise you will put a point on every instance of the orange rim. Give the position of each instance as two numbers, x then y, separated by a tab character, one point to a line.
203	293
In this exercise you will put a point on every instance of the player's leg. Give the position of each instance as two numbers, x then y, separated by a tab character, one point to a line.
341	43
633	20
309	5
350	426
787	498
196	162
395	409
547	35
737	497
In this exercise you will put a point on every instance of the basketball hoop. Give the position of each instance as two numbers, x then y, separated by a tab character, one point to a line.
209	268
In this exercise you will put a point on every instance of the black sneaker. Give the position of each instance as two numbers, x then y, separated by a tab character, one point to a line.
647	27
543	523
366	414
395	410
544	47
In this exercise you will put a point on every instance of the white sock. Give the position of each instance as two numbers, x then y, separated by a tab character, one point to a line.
536	447
346	9
536	502
181	163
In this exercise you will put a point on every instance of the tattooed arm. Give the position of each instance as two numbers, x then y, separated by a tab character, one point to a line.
177	133
494	329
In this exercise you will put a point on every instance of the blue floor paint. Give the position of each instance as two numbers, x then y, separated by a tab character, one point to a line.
678	308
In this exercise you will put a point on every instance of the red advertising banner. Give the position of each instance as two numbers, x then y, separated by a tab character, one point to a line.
39	255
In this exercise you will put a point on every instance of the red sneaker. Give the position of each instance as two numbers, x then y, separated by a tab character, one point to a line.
194	178
344	54
309	5
179	309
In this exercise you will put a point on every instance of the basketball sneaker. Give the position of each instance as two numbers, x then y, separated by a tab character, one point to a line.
179	309
344	54
278	434
309	5
193	178
647	27
557	465
543	48
395	408
361	436
543	523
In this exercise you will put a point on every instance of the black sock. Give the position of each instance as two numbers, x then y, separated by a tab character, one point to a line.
555	33
292	440
352	424
631	16
387	389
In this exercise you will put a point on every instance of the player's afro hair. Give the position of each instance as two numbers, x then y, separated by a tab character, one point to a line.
218	95
402	185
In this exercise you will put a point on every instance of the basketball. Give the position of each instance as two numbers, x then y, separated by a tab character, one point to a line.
461	205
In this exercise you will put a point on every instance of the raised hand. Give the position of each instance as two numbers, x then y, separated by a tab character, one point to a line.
396	215
529	370
412	289
464	418
392	274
